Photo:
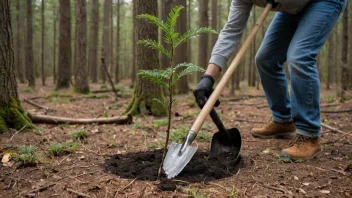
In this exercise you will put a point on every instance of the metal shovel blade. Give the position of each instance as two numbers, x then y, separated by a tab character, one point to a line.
176	160
229	143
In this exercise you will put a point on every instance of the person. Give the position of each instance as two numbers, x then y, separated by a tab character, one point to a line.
296	34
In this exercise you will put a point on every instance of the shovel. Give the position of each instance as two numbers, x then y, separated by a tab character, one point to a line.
179	155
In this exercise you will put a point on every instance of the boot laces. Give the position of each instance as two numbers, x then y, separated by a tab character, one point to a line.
298	140
270	124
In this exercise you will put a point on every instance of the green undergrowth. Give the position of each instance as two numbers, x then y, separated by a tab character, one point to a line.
63	148
80	134
26	155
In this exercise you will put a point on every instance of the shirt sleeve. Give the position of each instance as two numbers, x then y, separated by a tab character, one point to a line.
230	35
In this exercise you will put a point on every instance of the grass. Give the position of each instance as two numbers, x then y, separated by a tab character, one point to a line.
28	90
179	134
159	123
63	148
26	155
99	96
103	86
80	134
330	99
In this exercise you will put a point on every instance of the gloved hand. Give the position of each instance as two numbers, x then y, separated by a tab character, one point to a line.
203	90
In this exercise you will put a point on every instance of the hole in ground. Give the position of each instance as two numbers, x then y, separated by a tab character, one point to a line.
145	165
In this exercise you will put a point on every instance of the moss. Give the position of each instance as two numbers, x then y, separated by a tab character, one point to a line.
14	116
81	90
3	125
156	108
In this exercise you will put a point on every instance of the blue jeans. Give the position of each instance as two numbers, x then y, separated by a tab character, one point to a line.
296	39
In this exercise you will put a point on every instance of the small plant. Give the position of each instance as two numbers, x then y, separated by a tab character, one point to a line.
179	134
103	86
64	125
167	78
204	137
193	193
26	155
63	148
330	99
28	90
233	191
80	134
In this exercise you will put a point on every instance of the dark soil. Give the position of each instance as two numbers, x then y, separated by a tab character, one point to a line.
145	166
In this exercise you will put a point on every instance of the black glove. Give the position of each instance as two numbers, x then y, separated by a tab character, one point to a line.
203	90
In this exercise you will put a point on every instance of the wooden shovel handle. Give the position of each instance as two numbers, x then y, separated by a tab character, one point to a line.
216	93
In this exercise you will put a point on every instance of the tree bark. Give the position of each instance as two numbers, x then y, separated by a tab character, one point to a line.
330	64
43	45
117	66
214	21
19	55
167	6
81	78
94	36
29	47
344	52
203	39
54	44
64	68
146	58
11	111
105	50
181	53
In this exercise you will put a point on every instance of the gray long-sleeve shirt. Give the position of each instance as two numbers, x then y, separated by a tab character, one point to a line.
230	35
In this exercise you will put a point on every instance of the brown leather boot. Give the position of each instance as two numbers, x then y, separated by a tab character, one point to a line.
302	148
275	130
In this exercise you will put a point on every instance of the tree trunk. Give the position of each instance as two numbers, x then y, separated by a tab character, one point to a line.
117	43
167	6
214	21
254	70
181	54
11	111
93	46
133	76
203	39
54	44
146	58
189	42
18	58
43	45
81	78
29	47
105	50
330	64
111	38
64	68
344	52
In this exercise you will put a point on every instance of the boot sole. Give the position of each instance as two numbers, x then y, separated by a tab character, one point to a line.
286	158
288	135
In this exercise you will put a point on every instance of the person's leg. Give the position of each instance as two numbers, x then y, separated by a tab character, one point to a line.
316	22
269	60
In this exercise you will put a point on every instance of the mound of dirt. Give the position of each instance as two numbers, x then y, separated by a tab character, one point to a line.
145	165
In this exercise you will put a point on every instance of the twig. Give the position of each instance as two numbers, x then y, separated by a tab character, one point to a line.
78	193
127	185
262	106
90	150
336	111
249	121
218	186
332	170
63	160
270	187
41	188
37	105
17	132
335	130
329	105
110	80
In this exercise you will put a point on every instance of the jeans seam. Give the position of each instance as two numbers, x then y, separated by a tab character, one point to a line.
310	50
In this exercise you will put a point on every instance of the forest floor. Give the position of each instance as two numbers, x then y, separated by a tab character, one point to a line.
122	160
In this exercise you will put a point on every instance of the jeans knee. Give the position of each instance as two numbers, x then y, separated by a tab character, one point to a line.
262	61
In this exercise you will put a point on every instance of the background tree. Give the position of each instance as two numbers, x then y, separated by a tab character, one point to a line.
64	68
29	47
11	112
181	53
54	43
203	39
117	67
344	50
81	78
19	37
105	50
43	45
94	38
144	90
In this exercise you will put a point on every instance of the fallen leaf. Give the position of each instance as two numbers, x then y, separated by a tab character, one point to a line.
324	191
266	151
306	183
296	178
302	191
6	158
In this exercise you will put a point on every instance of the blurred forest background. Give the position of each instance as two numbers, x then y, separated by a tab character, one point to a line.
47	34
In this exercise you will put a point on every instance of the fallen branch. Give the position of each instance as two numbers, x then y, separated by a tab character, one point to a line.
249	121
37	105
78	193
17	132
109	77
332	170
336	111
63	120
262	106
102	91
245	97
335	129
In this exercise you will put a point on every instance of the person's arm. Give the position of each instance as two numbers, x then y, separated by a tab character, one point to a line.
229	36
